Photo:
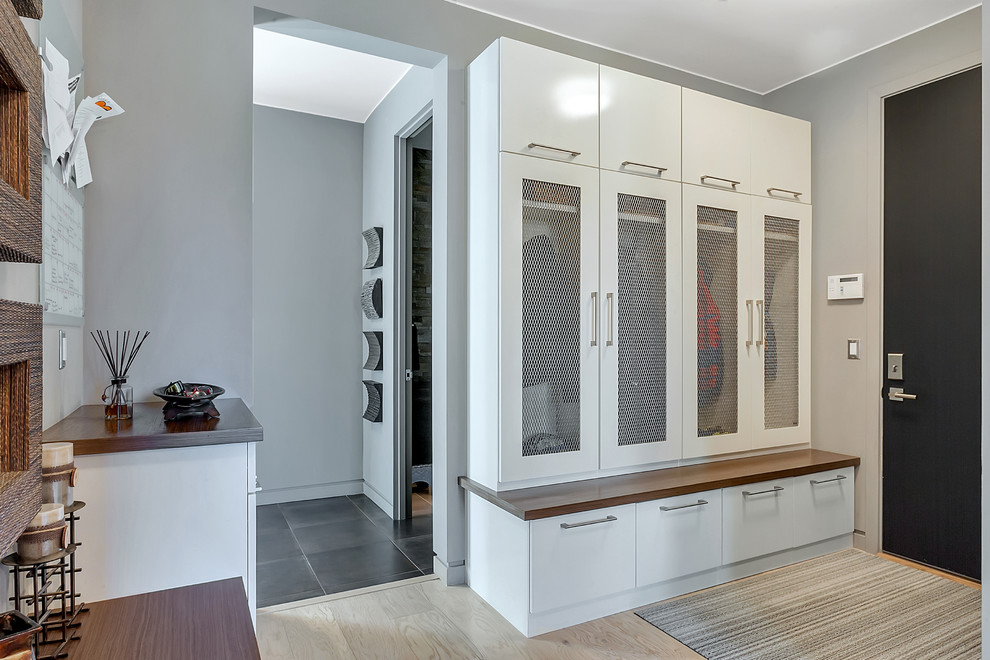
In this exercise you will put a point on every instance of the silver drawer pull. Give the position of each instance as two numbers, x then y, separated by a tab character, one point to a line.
775	489
588	522
828	481
718	178
789	192
660	170
535	145
683	506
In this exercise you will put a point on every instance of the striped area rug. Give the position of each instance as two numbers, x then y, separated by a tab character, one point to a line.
845	605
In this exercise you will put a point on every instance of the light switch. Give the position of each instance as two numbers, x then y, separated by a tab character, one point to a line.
852	349
63	349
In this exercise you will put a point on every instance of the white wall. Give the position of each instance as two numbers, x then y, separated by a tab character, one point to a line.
846	238
402	105
306	297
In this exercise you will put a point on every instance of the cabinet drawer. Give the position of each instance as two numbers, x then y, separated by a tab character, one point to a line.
781	163
823	505
678	536
715	141
757	519
582	556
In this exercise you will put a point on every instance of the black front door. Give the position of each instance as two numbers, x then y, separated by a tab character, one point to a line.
932	215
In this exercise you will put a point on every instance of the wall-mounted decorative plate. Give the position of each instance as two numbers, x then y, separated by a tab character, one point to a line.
373	239
374	361
371	298
373	413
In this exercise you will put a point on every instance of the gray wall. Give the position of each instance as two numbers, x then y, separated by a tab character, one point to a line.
306	298
406	100
846	237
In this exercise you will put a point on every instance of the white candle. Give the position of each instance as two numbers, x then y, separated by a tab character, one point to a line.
49	514
54	454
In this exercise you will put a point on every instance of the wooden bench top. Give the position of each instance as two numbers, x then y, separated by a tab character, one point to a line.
576	496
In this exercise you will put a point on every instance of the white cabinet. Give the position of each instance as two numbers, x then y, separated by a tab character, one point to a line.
550	315
719	352
823	505
640	125
747	270
582	557
757	519
678	536
782	348
716	141
548	103
781	165
640	355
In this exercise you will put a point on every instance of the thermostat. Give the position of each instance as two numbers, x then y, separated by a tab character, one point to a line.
845	287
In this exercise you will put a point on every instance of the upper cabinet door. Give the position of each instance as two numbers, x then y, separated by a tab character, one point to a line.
640	125
717	142
781	156
641	320
549	104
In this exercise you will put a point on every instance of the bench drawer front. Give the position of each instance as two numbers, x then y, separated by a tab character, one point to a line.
678	536
823	505
757	519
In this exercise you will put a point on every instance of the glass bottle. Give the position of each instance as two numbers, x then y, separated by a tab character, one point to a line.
119	399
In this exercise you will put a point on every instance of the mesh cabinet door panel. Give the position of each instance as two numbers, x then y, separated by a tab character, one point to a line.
551	318
717	274
641	309
781	399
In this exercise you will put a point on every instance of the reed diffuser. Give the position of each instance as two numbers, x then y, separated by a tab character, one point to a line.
119	355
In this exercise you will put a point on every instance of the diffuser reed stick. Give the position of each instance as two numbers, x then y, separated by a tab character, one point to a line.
119	353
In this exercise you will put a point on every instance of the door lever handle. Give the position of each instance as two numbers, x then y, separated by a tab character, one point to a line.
898	394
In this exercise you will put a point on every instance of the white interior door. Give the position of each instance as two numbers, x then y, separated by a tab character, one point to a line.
782	260
550	318
641	356
719	322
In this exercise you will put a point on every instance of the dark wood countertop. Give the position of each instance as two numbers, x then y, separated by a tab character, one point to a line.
209	620
90	433
576	496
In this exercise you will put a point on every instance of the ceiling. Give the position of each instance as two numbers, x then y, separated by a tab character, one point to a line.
758	45
320	79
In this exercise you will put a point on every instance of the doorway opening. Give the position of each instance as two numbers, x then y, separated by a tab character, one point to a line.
931	396
416	470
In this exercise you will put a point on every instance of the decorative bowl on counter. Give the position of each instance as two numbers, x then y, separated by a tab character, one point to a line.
188	395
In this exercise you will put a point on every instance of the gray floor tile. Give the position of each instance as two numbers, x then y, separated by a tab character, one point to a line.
269	517
370	509
315	512
277	544
419	550
285	577
370	582
363	562
401	529
331	536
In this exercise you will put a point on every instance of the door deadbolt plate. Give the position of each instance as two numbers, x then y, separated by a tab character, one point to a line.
895	366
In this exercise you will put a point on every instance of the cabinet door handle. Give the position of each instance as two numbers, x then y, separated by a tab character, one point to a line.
718	178
609	301
775	489
534	145
660	170
749	310
828	481
606	519
683	506
594	318
759	335
796	194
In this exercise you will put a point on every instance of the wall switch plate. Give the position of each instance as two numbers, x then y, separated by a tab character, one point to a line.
852	349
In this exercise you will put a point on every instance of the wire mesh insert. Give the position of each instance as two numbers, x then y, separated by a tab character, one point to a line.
551	318
781	334
641	315
718	406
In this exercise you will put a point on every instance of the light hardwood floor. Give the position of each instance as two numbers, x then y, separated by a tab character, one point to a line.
427	620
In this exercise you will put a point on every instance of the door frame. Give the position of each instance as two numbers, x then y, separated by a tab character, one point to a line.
870	481
402	303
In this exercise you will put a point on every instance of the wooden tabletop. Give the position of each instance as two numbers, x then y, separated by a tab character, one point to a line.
209	620
91	433
577	496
